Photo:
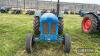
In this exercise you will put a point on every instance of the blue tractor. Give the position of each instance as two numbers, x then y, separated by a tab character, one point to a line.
48	28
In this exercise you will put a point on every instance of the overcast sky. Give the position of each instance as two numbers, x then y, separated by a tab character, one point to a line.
80	1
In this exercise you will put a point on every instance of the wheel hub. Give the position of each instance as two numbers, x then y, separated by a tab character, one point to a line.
86	24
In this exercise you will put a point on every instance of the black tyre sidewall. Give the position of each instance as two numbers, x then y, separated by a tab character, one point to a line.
60	26
29	43
67	46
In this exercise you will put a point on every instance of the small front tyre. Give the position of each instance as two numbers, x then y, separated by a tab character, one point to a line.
67	43
29	43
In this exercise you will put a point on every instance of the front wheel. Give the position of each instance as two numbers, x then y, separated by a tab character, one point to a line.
67	43
29	42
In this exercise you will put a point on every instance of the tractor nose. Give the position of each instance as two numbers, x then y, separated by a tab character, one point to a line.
48	38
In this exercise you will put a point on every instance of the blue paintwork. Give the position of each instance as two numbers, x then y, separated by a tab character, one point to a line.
48	18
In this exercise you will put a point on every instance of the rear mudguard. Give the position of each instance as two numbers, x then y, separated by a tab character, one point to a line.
38	13
95	15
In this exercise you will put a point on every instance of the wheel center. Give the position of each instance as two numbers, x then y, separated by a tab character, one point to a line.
88	24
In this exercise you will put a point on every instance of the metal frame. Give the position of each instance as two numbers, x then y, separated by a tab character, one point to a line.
59	39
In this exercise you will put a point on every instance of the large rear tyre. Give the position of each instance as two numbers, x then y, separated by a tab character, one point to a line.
60	26
36	25
89	24
67	43
30	41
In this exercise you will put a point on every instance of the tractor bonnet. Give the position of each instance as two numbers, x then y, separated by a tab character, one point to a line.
49	17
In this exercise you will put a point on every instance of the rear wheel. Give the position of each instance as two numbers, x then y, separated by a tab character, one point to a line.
89	24
36	25
60	26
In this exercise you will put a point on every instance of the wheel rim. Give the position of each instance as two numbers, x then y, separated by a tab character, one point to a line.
86	24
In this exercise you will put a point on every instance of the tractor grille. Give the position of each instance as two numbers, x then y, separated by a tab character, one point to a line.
53	28
45	28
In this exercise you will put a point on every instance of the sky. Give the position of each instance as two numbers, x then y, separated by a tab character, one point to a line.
80	1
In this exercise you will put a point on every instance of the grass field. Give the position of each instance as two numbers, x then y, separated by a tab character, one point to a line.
13	29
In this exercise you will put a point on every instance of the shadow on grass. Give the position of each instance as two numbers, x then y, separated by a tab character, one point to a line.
95	37
43	50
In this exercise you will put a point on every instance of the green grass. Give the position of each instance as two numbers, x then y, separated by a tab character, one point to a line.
13	29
